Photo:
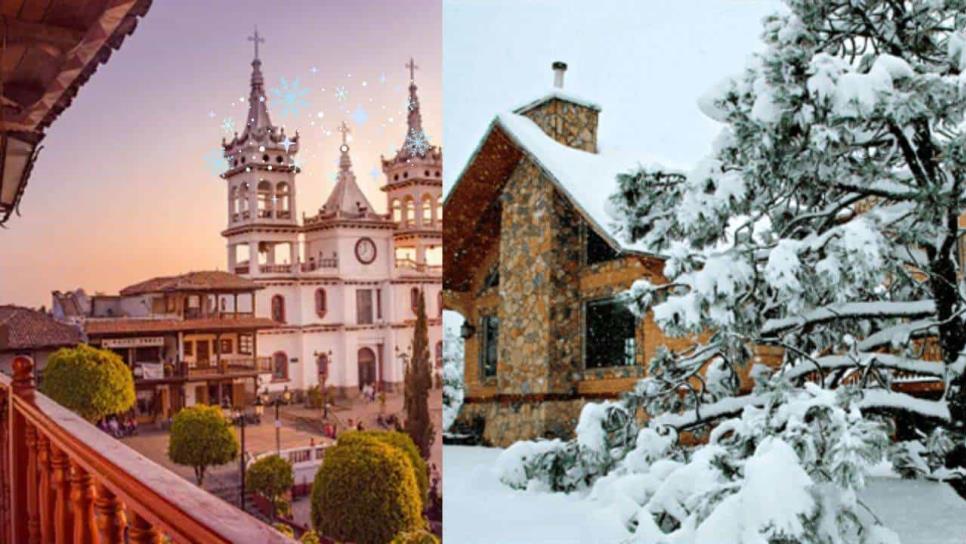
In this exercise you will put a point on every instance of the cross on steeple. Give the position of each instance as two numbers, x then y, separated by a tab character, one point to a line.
412	69
257	39
344	129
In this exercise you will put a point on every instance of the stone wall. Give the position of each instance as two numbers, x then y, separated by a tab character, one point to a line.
571	124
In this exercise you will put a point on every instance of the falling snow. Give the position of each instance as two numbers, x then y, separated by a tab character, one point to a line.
291	95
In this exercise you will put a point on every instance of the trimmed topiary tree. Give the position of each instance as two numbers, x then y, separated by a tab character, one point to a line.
92	382
404	443
365	492
270	477
201	437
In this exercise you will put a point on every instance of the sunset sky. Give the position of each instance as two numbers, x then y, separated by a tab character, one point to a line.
126	186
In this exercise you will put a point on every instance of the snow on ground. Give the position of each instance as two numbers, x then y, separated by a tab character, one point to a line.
479	509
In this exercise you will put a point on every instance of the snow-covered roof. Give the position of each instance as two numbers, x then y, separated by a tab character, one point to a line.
586	179
557	94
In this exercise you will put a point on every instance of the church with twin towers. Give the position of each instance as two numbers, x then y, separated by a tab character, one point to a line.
342	283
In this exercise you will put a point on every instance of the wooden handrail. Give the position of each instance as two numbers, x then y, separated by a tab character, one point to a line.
64	478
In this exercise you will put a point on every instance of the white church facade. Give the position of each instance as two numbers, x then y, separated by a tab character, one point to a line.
341	284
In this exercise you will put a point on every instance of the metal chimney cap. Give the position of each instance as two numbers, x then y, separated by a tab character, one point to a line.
559	65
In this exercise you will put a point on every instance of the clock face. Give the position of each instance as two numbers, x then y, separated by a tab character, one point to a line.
365	250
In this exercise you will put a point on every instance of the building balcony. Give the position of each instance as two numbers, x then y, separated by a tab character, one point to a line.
65	480
321	264
406	264
227	368
276	268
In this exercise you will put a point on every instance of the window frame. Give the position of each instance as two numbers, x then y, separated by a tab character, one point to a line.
371	317
275	361
280	317
484	327
584	344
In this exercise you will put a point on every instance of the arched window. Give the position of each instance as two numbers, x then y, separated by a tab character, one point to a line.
410	211
264	200
283	200
396	208
439	303
243	197
321	304
279	366
233	201
322	362
439	354
439	209
414	299
427	207
278	308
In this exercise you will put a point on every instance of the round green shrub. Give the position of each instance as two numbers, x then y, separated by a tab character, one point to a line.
415	537
201	437
404	443
365	492
271	477
94	383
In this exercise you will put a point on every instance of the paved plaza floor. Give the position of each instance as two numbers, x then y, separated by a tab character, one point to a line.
300	426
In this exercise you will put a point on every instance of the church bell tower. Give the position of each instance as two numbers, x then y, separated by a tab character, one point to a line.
414	192
262	231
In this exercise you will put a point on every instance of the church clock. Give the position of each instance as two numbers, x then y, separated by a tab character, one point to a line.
365	250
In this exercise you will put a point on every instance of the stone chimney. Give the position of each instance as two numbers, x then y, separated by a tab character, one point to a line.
559	69
567	119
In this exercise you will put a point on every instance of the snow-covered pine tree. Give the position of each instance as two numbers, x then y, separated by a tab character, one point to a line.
453	387
826	219
825	222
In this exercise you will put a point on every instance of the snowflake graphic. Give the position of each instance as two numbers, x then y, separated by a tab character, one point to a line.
360	116
411	104
228	125
287	143
292	97
215	161
297	162
341	94
416	143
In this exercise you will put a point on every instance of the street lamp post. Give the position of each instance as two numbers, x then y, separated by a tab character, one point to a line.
284	397
240	420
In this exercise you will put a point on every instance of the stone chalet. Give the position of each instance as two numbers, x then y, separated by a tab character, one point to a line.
188	339
33	333
533	265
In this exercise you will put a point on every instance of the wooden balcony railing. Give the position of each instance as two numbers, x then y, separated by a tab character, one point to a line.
63	480
275	268
262	365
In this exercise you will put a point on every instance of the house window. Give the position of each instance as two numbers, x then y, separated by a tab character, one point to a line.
364	306
598	250
245	344
189	348
609	328
279	366
439	355
278	308
414	299
320	302
490	337
378	303
439	304
225	345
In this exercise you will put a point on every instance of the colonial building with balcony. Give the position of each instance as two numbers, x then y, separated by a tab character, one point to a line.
343	282
188	339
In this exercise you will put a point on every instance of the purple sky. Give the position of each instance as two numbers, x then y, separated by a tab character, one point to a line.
125	188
